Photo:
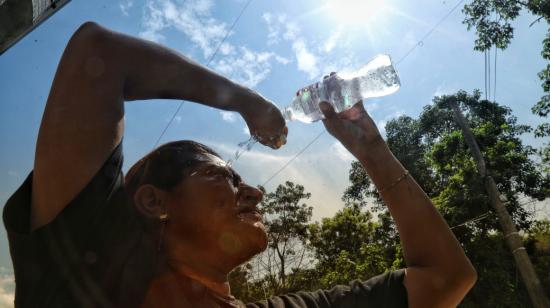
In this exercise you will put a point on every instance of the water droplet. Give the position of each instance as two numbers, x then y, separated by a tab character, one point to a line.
244	146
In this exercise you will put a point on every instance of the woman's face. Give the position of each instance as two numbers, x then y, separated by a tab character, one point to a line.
213	213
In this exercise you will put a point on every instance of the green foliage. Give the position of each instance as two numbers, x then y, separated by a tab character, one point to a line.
538	246
360	189
287	217
499	284
498	136
351	245
491	19
361	240
286	221
433	149
492	22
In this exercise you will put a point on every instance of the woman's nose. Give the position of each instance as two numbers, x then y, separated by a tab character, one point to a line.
251	194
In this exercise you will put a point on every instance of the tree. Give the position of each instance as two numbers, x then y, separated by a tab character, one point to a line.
433	149
538	246
491	19
348	246
286	221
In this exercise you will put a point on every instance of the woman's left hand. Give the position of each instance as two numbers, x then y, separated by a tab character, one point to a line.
354	128
266	123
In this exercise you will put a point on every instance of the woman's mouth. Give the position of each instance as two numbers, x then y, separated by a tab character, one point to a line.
250	213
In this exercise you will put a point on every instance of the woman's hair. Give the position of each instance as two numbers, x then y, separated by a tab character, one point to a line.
166	166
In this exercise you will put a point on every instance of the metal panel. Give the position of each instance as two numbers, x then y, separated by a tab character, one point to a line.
19	17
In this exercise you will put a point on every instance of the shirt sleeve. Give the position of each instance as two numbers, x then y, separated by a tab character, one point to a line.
386	290
90	199
65	244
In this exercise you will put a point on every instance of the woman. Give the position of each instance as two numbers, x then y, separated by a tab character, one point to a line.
170	232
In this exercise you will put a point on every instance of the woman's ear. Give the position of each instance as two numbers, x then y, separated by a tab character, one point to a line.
150	202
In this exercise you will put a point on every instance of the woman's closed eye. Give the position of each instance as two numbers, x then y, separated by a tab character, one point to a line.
219	172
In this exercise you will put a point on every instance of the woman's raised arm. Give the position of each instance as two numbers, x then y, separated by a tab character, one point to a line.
84	116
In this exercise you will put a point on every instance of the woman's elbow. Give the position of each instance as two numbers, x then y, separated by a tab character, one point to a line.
468	277
89	36
459	284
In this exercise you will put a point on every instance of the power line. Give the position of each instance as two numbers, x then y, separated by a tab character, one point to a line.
419	43
207	64
485	72
489	71
495	86
487	215
294	157
475	219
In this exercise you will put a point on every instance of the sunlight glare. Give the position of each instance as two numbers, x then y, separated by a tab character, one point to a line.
354	11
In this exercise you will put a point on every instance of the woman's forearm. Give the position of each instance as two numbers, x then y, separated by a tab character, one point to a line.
438	272
426	237
427	241
150	71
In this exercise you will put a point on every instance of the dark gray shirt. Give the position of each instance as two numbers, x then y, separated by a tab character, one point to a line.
94	255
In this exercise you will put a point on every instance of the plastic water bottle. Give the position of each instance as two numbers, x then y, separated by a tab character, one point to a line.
377	78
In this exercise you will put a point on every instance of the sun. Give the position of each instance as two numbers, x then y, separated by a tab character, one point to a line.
355	12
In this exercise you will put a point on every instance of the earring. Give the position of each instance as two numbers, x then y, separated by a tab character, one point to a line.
163	218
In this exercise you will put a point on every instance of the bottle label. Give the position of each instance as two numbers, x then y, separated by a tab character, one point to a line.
310	98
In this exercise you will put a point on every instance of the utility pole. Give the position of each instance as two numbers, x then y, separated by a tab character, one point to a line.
514	241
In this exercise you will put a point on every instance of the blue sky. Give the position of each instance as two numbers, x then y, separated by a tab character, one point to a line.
275	48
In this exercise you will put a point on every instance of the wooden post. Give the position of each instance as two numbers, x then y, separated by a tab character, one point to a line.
514	241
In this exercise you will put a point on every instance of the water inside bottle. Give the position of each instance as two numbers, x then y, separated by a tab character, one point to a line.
342	91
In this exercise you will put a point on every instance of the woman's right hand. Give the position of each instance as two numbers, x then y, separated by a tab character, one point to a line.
265	122
354	128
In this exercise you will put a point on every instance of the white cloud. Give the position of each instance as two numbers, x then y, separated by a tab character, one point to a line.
257	156
372	107
228	116
409	39
282	60
330	43
153	22
307	61
273	35
291	30
7	288
280	28
341	152
178	119
125	6
247	67
193	18
382	127
444	89
246	131
324	175
382	123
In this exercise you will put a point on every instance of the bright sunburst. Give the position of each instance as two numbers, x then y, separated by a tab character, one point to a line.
355	12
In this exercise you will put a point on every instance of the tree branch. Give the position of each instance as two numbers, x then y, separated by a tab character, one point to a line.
537	20
522	3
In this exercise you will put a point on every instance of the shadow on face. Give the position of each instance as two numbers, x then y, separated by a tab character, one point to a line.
214	216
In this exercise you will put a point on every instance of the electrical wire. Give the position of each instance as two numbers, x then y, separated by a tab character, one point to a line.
485	72
475	219
294	157
495	86
487	214
207	64
489	72
419	43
